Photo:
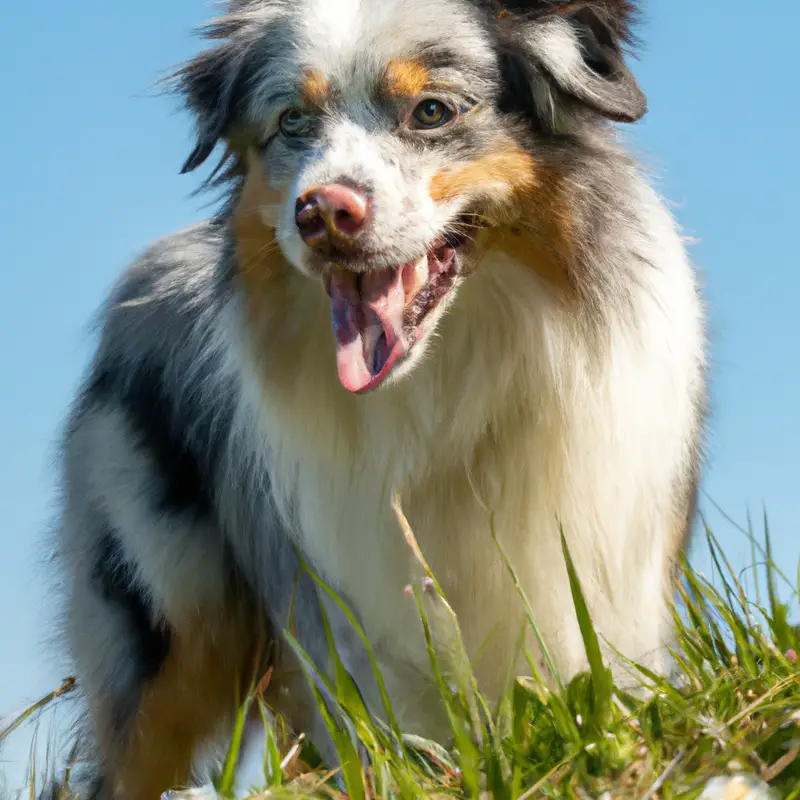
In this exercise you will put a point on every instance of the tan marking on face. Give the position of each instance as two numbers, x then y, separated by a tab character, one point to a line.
315	90
208	670
542	241
539	236
263	273
505	172
534	253
259	257
405	77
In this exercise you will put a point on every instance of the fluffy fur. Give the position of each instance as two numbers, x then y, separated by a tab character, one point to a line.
558	381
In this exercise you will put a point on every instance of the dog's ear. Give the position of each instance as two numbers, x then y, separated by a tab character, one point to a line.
571	49
207	83
214	84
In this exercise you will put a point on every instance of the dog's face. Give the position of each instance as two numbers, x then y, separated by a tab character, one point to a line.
380	138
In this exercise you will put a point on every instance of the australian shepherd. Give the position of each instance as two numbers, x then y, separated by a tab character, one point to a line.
436	276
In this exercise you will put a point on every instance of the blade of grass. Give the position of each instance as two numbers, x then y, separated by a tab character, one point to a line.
66	687
226	784
467	751
602	684
392	719
273	768
776	689
753	559
539	785
752	539
531	620
460	661
347	692
717	553
779	616
726	612
349	762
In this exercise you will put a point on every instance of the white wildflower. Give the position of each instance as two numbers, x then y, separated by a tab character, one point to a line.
740	787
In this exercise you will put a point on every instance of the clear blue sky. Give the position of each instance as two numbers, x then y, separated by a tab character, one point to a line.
90	174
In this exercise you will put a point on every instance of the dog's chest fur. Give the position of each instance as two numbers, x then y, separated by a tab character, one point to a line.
514	424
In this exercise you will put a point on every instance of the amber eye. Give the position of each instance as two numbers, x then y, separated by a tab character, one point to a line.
295	122
431	114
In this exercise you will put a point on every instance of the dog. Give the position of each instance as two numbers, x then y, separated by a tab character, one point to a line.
436	275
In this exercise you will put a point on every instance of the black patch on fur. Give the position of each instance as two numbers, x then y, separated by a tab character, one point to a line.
617	14
518	75
438	57
116	582
185	467
97	788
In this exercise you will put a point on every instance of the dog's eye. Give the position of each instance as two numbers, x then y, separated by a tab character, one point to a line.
431	114
295	122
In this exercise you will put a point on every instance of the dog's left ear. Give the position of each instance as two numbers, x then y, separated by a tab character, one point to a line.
577	47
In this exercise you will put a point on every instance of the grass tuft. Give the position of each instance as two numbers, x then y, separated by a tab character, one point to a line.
731	707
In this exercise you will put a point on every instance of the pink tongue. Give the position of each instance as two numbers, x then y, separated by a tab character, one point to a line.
367	323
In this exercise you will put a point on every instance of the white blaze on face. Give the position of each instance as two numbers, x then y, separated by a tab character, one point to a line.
338	31
333	24
404	217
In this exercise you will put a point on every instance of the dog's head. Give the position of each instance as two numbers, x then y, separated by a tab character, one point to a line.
382	141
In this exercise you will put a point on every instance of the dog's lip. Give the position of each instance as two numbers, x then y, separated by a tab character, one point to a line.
456	237
438	248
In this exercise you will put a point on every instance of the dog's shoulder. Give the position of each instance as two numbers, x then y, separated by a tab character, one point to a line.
161	322
165	293
159	363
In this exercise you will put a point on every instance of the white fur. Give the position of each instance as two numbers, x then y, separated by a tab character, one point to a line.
333	23
557	46
515	412
404	213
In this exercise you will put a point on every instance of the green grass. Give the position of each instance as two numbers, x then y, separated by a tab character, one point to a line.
732	706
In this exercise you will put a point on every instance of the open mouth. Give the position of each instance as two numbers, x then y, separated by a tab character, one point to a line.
378	316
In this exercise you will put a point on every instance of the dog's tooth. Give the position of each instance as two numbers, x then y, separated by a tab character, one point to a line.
327	276
415	276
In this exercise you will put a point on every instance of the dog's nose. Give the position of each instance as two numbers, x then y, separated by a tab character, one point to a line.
332	212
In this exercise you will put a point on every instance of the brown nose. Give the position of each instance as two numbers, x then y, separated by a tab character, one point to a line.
330	213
